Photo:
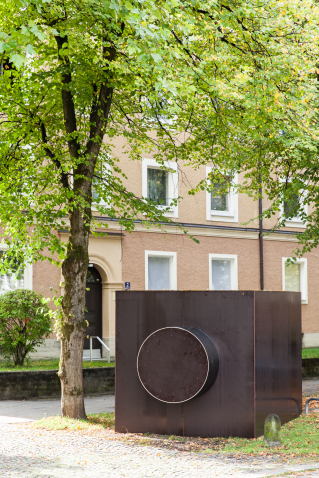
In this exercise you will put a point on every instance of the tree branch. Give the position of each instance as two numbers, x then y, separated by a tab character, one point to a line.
63	175
100	109
67	100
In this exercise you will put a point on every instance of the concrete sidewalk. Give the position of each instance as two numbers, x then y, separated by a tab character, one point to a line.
14	411
310	387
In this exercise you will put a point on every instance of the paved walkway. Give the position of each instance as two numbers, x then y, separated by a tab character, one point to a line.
310	387
13	411
25	452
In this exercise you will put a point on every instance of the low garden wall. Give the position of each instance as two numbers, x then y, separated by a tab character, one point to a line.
46	383
310	368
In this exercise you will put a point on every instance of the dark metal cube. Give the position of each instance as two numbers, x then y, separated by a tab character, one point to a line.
258	339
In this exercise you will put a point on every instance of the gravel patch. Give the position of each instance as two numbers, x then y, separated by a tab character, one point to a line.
34	453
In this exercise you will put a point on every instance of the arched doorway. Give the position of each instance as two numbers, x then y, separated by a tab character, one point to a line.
93	305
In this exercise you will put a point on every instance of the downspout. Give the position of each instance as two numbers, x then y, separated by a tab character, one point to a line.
261	239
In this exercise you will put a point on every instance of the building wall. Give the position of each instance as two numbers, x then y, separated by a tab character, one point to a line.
192	258
46	281
121	258
193	264
192	209
273	253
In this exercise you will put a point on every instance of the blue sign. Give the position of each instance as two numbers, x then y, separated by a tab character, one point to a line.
127	285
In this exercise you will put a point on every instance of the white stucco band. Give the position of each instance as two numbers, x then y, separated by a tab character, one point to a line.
310	340
106	254
108	314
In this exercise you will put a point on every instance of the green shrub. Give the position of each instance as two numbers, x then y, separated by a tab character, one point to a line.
25	320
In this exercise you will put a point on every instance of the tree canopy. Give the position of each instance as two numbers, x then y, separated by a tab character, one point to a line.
226	77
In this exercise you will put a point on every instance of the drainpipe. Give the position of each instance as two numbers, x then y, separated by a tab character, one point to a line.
261	239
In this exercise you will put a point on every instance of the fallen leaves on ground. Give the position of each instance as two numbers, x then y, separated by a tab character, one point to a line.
102	426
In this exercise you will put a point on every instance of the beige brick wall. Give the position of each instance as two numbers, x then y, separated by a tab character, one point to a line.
46	280
193	264
273	253
192	209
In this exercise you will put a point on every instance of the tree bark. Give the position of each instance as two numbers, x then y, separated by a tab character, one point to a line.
74	326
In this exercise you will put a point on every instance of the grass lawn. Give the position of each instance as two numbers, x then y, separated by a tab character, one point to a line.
310	353
54	364
95	421
300	437
47	365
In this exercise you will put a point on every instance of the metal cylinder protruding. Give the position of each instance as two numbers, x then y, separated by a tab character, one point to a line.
176	364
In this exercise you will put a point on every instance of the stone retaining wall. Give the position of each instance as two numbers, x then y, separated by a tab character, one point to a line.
310	368
46	384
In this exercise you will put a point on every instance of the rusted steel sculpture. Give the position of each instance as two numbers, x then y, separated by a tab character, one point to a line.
206	363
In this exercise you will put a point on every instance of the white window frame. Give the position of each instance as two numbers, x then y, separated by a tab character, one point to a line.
233	269
223	216
173	266
294	221
172	182
303	277
28	271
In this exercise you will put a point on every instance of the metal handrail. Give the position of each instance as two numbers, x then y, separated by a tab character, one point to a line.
282	398
307	403
104	345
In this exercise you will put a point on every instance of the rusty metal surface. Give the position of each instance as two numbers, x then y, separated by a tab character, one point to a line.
173	364
228	318
278	356
213	358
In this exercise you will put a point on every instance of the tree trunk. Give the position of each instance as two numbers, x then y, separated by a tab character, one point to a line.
74	268
73	327
20	354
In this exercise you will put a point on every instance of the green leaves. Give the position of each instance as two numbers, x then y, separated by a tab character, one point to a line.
25	320
157	58
17	60
216	83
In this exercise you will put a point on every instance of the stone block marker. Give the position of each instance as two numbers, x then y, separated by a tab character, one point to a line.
272	431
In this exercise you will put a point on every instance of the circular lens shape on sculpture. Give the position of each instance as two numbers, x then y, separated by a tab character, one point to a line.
175	364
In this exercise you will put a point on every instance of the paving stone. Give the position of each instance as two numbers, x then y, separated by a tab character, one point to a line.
34	453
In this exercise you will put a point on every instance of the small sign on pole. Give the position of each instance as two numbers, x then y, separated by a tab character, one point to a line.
127	285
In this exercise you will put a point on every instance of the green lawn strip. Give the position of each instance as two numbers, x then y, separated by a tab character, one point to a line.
95	421
293	474
300	437
48	365
54	364
310	353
